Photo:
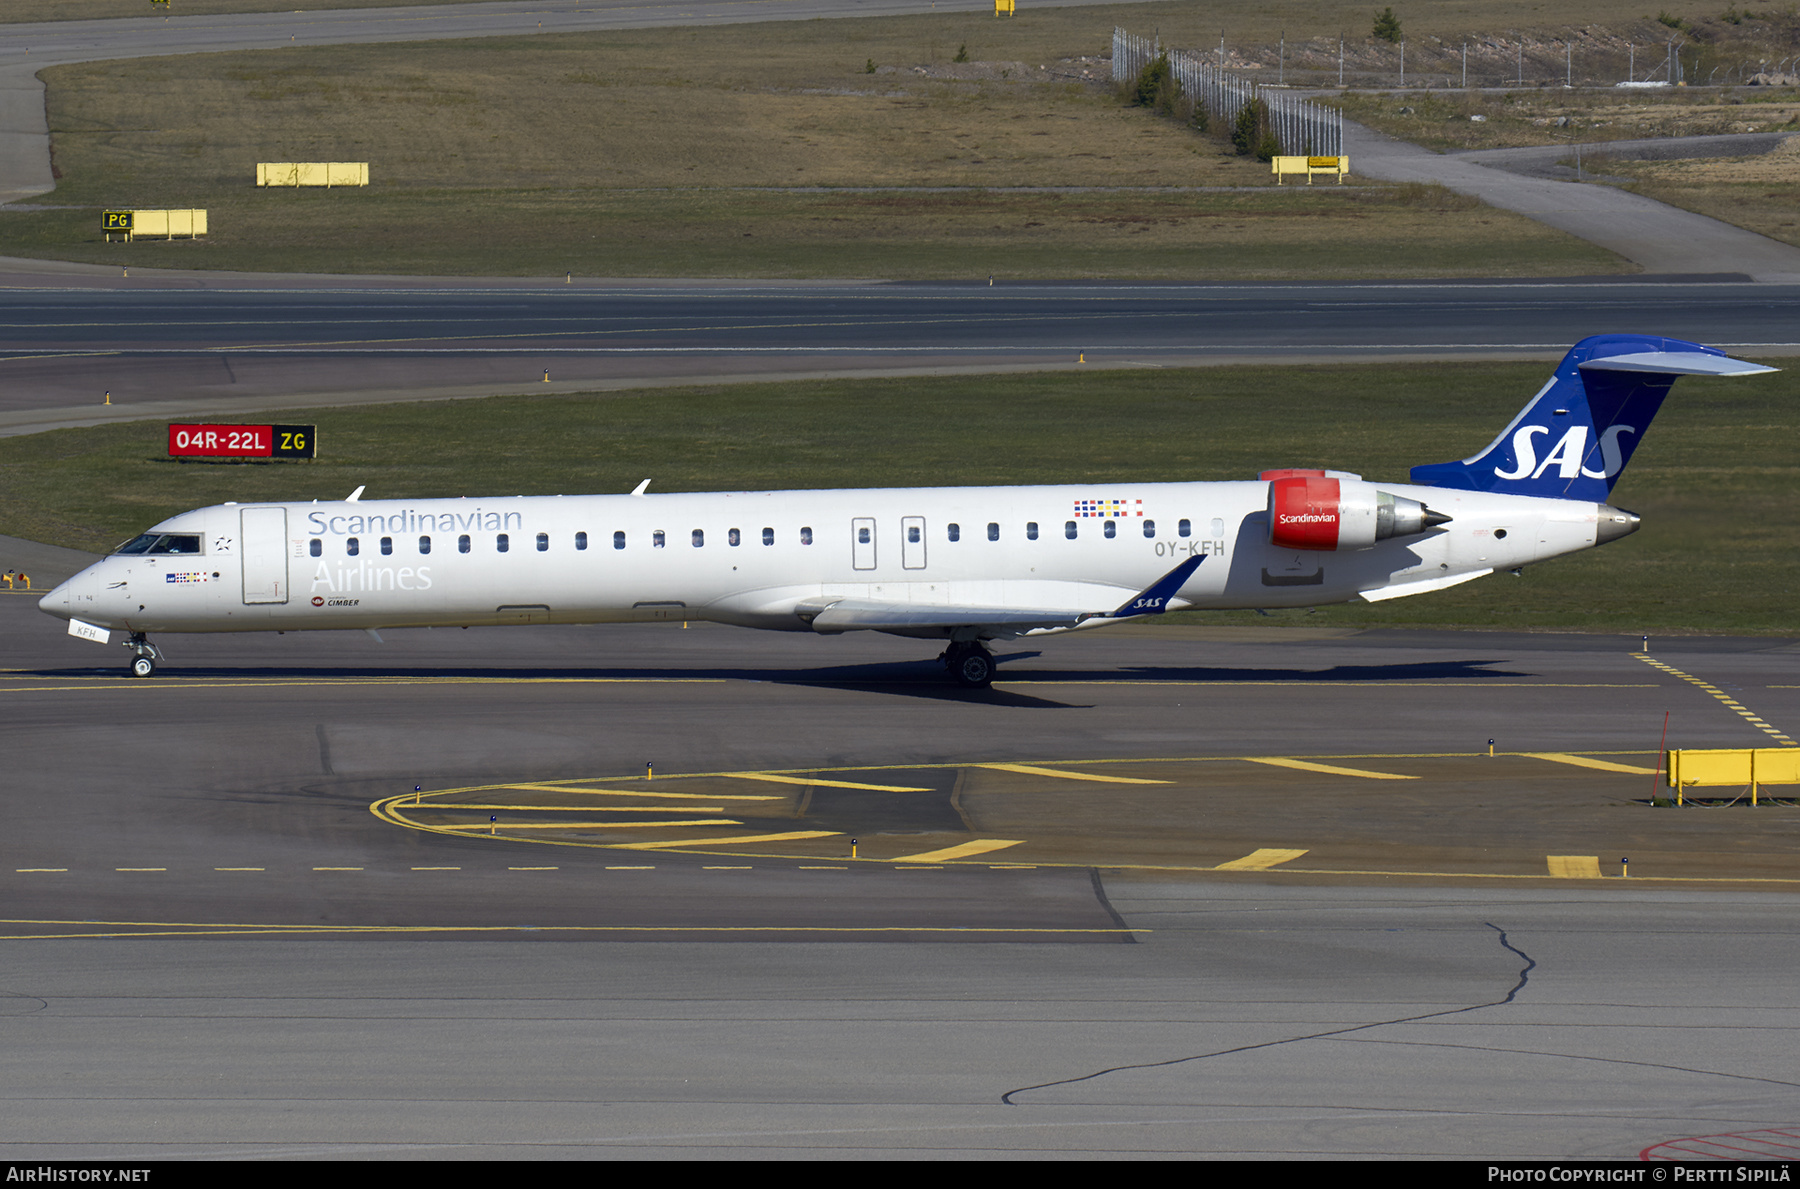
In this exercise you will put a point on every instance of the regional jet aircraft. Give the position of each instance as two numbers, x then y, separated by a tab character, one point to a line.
963	566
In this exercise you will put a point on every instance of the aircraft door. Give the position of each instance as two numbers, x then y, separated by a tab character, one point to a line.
912	542
264	534
862	542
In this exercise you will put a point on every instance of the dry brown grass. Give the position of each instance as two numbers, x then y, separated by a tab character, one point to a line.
96	10
1758	193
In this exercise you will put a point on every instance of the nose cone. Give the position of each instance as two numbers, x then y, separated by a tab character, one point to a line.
56	602
1613	523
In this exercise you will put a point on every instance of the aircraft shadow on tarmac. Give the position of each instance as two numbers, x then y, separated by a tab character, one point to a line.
912	678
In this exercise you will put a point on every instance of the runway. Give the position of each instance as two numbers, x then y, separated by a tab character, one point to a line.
1333	928
162	348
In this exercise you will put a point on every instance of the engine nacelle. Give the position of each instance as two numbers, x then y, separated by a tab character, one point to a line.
1324	513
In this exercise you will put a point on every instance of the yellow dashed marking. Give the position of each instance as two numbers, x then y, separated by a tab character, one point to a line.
337	868
1060	774
980	846
240	869
1557	757
1260	860
1574	866
1329	769
1782	737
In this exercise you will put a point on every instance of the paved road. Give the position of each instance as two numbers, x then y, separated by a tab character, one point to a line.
1663	239
237	345
272	969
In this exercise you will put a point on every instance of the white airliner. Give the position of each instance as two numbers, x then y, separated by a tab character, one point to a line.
961	565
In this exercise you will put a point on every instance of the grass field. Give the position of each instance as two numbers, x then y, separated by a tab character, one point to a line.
1715	479
705	151
98	10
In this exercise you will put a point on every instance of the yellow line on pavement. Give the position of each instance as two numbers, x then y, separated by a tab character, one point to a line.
792	835
980	846
1574	866
1329	769
1260	860
1060	774
1557	757
563	788
830	784
454	806
483	826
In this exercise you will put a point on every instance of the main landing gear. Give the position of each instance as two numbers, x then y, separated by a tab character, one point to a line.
969	663
144	655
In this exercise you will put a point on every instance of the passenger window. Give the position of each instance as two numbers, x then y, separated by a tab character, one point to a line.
352	546
502	543
580	542
956	532
1150	528
806	536
658	539
993	532
1185	528
543	542
619	540
768	536
1031	530
387	546
462	543
912	534
862	536
1069	529
1218	527
424	544
316	547
1110	529
699	538
733	539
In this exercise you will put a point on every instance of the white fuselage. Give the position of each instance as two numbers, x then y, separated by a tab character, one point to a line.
760	559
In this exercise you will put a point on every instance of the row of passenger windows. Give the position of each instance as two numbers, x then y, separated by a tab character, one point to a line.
659	538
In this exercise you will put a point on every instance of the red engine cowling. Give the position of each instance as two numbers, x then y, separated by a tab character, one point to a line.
1311	511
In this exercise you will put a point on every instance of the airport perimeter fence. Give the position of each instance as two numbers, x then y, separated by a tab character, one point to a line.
1304	128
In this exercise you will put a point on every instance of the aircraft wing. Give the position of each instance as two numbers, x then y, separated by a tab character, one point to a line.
848	615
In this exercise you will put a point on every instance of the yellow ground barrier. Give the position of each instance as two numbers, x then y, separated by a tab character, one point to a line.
312	173
1282	166
1731	767
171	224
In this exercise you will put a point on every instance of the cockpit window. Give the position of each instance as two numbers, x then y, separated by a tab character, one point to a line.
163	543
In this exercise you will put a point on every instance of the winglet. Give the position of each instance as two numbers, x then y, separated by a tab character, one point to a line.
354	496
639	489
1155	598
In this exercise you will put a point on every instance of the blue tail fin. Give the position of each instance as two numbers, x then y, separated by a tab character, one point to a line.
1579	431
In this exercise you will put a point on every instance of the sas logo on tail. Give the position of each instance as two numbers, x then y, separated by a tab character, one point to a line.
1566	455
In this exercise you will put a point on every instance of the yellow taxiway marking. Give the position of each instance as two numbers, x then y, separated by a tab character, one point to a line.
456	806
478	826
337	868
124	929
240	868
1557	757
563	788
830	784
791	835
631	869
1329	769
38	870
1060	774
980	846
437	868
1781	737
1574	866
1260	860
534	868
142	868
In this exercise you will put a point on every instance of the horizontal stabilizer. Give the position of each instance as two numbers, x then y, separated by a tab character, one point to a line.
1675	363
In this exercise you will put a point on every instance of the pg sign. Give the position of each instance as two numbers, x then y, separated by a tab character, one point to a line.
243	441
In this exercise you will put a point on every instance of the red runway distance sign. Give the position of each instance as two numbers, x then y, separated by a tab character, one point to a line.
242	441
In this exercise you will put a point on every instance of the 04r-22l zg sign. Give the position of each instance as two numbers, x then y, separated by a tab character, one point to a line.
243	441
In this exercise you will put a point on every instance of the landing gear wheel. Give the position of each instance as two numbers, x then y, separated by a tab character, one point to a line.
972	666
142	666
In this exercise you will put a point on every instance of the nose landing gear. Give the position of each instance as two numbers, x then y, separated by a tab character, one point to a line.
144	655
969	663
